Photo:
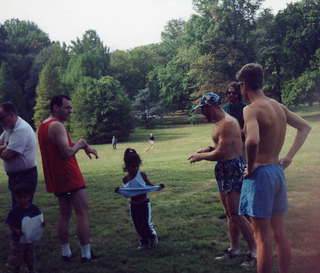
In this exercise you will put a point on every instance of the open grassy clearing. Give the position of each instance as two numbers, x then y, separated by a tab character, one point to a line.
184	213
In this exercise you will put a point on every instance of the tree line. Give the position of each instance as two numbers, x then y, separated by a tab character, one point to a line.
195	56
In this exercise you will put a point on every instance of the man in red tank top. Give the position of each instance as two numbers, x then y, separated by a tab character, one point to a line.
63	176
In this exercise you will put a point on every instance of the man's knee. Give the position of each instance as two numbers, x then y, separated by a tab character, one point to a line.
235	218
279	235
81	209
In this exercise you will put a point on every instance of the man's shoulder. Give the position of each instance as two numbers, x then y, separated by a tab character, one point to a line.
22	125
56	125
229	123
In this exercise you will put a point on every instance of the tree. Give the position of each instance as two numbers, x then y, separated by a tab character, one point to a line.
50	84
54	53
171	37
3	46
286	43
304	89
9	88
25	37
23	41
229	41
175	82
102	110
131	67
89	58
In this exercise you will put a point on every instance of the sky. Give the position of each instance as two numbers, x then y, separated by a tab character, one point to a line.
121	24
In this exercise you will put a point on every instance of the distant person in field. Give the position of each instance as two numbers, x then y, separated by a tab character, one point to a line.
136	186
228	172
151	142
17	149
63	176
114	142
264	190
26	224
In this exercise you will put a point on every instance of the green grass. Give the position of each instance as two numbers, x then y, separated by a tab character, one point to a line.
184	213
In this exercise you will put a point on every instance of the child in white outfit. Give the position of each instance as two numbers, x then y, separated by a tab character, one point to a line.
136	186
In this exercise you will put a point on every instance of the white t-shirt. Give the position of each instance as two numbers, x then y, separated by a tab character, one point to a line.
21	139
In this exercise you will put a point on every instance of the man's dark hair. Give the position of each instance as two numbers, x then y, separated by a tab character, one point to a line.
252	75
58	100
236	87
9	108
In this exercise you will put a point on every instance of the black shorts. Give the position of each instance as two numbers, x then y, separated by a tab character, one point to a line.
27	177
69	194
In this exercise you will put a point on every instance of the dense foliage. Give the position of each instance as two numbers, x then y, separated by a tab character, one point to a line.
102	110
195	56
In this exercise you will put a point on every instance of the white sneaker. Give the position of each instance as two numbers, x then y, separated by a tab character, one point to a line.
250	262
228	254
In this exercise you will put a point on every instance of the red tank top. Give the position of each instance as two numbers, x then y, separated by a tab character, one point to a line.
61	175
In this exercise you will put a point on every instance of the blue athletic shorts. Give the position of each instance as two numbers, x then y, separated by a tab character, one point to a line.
229	175
264	192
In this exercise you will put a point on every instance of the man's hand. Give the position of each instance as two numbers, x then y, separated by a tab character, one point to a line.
90	151
247	172
195	158
285	162
2	148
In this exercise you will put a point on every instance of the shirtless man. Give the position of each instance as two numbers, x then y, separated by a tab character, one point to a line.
228	171
63	176
264	190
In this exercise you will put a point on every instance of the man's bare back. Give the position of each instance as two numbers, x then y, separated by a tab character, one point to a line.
268	118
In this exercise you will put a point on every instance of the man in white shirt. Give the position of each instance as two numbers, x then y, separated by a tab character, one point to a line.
17	148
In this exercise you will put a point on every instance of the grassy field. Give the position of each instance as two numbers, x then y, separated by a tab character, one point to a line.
184	213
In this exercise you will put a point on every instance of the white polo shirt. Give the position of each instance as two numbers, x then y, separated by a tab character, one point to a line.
21	139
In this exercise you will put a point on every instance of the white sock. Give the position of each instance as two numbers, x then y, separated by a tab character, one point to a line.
66	251
86	251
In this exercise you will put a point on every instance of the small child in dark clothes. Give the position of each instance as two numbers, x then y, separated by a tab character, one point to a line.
24	213
140	205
